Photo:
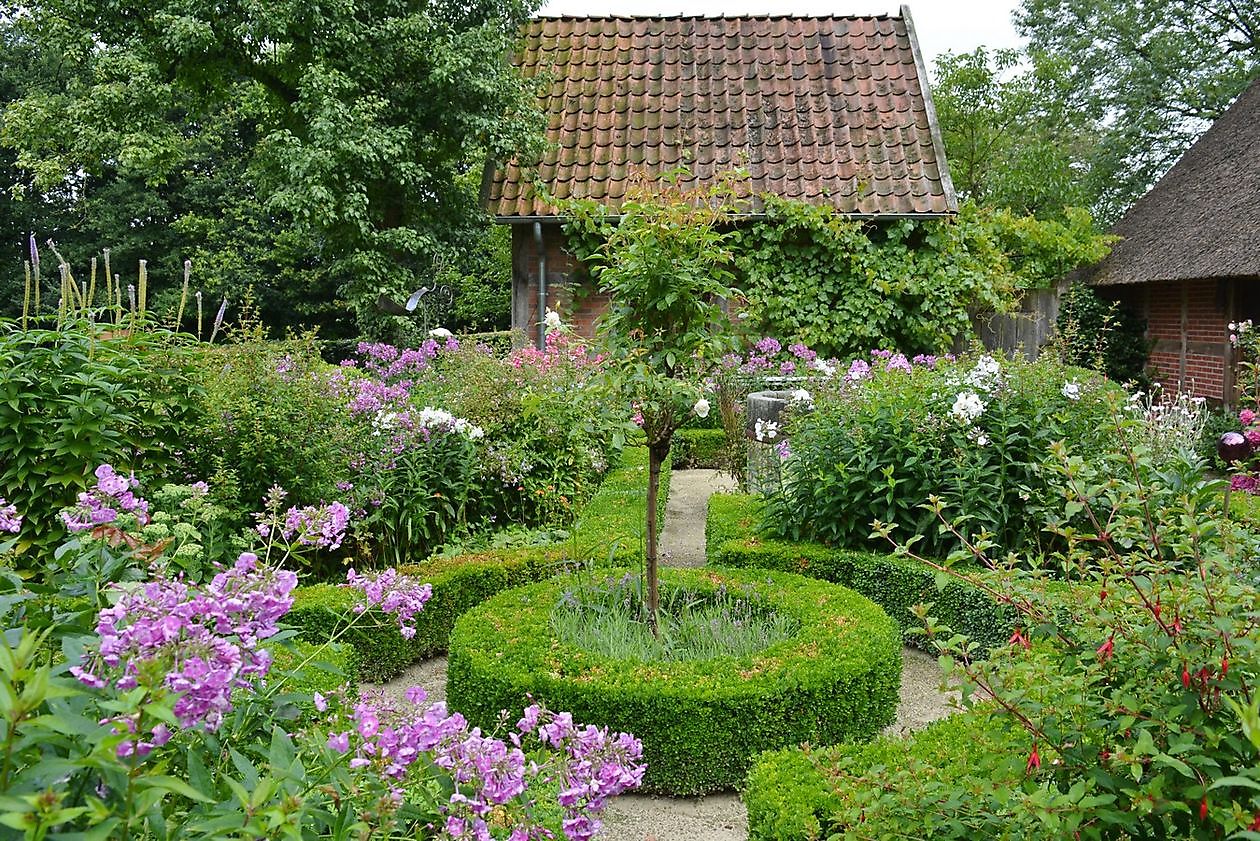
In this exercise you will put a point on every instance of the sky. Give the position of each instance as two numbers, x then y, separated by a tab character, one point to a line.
942	25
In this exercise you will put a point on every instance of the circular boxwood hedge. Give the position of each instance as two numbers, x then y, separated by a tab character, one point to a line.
701	721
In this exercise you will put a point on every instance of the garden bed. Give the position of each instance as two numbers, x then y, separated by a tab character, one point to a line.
894	582
701	721
609	530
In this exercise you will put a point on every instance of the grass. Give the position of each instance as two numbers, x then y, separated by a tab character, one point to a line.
609	617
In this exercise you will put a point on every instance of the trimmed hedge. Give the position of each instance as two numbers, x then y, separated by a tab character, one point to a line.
895	583
701	722
610	528
790	798
702	448
310	669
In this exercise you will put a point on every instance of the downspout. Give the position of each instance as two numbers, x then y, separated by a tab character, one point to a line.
542	285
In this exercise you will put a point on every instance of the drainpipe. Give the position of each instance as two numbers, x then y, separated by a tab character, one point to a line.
542	284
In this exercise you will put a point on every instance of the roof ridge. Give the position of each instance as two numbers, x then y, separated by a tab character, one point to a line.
880	16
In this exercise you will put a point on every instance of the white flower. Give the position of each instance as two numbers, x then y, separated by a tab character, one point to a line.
552	320
802	397
765	430
1233	327
967	407
476	432
823	367
440	333
701	408
986	374
1072	390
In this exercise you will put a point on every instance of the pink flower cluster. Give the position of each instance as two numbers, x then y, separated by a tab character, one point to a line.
391	592
1251	429
323	526
389	363
559	350
10	520
491	774
113	494
203	642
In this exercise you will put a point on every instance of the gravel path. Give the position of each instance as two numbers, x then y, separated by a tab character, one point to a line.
717	817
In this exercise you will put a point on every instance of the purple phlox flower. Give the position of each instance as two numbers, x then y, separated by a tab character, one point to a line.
898	362
881	354
391	592
102	504
802	352
323	526
859	369
10	520
926	360
768	346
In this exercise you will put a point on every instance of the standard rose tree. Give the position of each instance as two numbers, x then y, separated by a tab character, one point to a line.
665	269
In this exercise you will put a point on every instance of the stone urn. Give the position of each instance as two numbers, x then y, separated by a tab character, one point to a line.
765	411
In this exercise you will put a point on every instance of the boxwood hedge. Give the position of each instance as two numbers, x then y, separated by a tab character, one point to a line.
802	794
698	448
609	528
895	583
701	722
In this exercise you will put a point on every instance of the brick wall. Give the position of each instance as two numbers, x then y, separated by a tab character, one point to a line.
1200	362
569	289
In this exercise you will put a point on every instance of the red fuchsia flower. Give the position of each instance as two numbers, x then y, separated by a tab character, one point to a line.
1185	677
1106	650
1203	809
1034	760
1019	639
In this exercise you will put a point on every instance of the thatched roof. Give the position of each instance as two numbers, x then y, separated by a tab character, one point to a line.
1202	220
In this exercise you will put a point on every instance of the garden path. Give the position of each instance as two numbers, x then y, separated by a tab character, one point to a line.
717	817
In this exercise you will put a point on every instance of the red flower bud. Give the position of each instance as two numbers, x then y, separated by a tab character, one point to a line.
1255	823
1102	595
1034	760
1203	809
1185	677
1224	665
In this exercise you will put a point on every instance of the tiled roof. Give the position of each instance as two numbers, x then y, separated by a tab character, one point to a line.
830	110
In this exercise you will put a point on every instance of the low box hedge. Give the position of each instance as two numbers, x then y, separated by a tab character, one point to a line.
893	582
306	668
609	529
698	448
803	794
701	722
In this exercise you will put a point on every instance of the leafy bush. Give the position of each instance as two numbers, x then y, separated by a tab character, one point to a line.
701	721
813	793
81	394
974	433
1103	335
609	530
893	582
699	448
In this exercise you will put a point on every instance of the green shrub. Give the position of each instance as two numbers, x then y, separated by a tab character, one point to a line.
1106	336
894	582
704	448
976	434
305	668
701	721
81	395
802	794
609	530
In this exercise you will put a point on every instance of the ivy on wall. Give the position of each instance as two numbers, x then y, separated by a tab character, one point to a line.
845	285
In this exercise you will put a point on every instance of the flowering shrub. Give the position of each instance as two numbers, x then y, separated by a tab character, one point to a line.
891	434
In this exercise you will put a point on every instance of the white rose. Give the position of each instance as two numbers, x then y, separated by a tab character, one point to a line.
701	408
1072	390
552	320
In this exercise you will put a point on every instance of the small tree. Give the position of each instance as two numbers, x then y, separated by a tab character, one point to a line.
666	269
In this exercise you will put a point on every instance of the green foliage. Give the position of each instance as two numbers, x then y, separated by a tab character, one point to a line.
894	582
609	530
268	418
807	794
1103	335
703	448
337	164
1011	133
194	531
701	721
74	397
1152	76
880	448
608	616
843	286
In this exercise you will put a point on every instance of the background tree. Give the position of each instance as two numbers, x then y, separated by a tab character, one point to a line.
322	150
1014	136
1154	74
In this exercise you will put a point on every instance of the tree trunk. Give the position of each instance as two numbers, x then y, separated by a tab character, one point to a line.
656	457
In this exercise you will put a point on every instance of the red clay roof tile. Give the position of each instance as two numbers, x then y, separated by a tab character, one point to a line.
831	110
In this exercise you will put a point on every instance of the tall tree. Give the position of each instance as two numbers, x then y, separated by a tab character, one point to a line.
1013	134
346	129
1155	73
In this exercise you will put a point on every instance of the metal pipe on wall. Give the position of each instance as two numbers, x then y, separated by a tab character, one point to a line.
542	285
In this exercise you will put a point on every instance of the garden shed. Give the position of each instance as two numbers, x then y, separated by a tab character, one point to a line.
832	110
1189	260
